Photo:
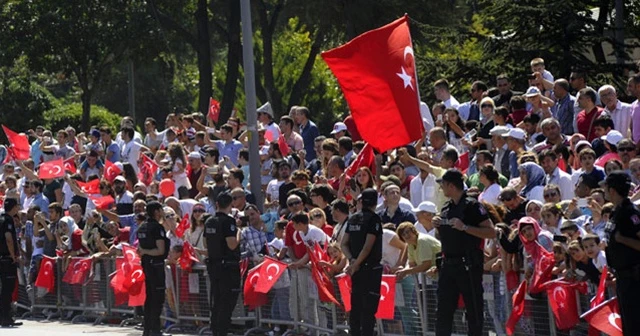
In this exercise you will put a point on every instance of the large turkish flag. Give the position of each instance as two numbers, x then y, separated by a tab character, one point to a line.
377	74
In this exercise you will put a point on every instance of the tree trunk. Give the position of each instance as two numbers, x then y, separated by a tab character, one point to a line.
86	106
267	27
205	84
234	55
301	85
598	51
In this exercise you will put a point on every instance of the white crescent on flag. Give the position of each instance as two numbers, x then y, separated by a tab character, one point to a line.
55	170
613	320
277	270
385	285
48	266
133	275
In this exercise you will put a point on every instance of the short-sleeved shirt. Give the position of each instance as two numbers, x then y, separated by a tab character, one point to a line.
425	250
148	233
359	226
7	225
293	240
456	243
231	149
626	220
217	229
115	150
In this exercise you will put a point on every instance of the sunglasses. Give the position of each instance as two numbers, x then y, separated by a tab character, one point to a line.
505	199
294	203
169	216
316	216
486	105
551	194
626	149
198	210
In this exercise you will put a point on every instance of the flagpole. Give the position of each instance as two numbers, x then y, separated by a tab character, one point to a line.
250	104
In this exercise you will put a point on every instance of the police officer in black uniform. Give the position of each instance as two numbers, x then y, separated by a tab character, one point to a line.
362	244
222	242
154	247
9	254
462	225
622	235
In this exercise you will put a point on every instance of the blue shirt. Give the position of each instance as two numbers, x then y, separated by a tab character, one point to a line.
43	202
130	221
563	111
36	153
231	149
400	216
309	133
115	157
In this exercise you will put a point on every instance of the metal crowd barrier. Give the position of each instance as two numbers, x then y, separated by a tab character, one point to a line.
293	305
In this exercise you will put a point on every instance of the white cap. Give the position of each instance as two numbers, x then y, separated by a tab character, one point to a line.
516	133
532	91
120	178
613	137
426	206
266	108
339	127
194	155
499	130
582	143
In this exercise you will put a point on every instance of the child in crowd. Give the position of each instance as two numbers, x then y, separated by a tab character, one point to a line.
280	291
582	265
559	254
551	217
591	245
338	261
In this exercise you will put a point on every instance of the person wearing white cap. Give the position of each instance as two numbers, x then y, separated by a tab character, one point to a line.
265	117
610	141
540	104
502	154
424	213
339	130
516	138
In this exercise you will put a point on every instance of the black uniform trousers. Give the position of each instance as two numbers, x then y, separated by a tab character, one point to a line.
628	292
365	296
225	288
455	279
8	278
155	289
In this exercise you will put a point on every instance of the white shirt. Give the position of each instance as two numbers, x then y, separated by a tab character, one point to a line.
600	261
390	254
404	204
314	235
274	129
137	137
621	117
490	194
131	153
126	198
427	190
536	194
422	229
273	189
562	180
451	102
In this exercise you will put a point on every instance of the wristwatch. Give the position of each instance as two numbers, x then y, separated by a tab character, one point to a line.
464	227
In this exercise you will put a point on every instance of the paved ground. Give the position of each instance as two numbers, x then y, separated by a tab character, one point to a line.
56	328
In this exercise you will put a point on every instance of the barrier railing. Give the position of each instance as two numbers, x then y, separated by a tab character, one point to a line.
293	305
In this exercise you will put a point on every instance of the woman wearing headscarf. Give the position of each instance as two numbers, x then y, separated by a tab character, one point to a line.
533	209
532	180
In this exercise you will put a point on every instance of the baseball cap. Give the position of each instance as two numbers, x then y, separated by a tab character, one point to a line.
339	127
120	178
426	206
582	143
516	133
532	91
194	155
266	108
451	175
499	130
369	197
613	137
95	133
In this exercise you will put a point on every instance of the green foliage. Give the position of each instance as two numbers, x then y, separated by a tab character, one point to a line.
71	115
22	101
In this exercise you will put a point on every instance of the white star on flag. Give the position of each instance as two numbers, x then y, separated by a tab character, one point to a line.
405	78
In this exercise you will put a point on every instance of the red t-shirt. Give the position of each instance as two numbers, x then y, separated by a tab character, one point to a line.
584	120
518	116
327	229
293	240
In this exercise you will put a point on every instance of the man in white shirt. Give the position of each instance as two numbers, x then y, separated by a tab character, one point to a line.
127	122
424	213
549	162
265	117
441	89
131	149
620	112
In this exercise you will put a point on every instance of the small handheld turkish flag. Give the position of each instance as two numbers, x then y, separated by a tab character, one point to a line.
605	317
51	169
103	202
46	277
131	256
562	299
111	171
345	285
366	158
253	299
542	270
599	298
70	165
187	257
20	148
92	187
377	74
270	272
214	110
77	271
183	226
518	307
386	305
148	169
283	146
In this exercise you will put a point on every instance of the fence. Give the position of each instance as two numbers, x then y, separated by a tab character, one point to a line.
293	306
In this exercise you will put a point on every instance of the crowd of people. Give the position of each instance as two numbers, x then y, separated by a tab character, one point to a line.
556	164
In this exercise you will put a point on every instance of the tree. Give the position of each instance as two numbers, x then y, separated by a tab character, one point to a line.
80	40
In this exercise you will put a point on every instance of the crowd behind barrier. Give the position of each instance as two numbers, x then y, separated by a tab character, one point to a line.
188	302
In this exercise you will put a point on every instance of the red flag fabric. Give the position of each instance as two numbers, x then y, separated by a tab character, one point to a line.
148	169
111	171
518	307
214	110
103	202
253	299
366	158
605	317
599	298
134	281
270	272
20	148
512	280
92	187
463	162
542	270
244	264
51	169
283	146
183	226
386	306
70	165
130	254
562	299
188	256
77	271
46	277
376	72
345	285
324	284
128	281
